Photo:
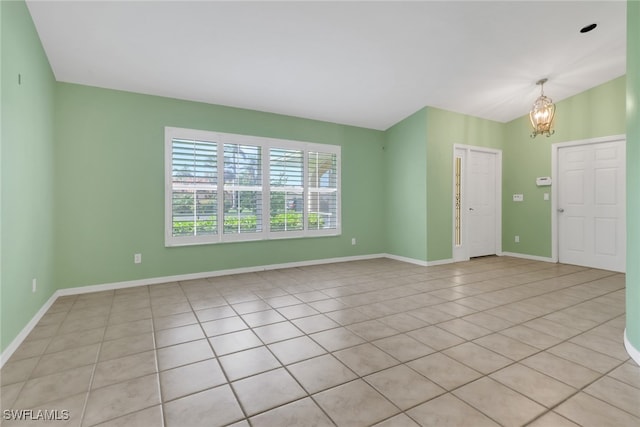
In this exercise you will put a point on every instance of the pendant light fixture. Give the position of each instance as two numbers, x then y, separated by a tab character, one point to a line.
542	113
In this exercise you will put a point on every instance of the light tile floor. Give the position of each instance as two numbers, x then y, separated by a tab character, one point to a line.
492	341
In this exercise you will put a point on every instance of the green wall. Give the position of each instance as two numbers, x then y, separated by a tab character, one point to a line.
110	178
446	129
419	162
405	154
594	113
633	174
82	180
27	188
419	165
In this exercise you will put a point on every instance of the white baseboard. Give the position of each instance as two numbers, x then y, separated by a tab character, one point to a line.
13	346
24	333
406	259
526	256
633	352
440	262
205	274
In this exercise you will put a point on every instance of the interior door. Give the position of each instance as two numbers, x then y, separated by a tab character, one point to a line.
591	205
481	196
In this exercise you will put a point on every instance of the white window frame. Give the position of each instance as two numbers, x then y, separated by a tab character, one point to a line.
266	144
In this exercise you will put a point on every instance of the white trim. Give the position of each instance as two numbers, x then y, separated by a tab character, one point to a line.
24	333
406	259
633	352
419	261
13	346
462	253
205	274
527	256
440	262
554	179
265	146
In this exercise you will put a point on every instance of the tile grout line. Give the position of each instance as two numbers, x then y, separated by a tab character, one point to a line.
216	358
345	326
155	359
283	366
581	390
95	366
400	333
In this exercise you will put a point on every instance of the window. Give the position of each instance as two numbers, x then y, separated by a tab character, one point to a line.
242	189
323	190
286	185
225	187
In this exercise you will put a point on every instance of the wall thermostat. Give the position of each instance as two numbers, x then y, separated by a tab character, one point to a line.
543	181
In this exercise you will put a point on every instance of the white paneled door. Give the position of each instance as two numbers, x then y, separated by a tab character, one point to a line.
481	202
591	205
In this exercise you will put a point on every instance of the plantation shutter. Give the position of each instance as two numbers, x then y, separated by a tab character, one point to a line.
222	187
194	201
286	181
322	191
242	189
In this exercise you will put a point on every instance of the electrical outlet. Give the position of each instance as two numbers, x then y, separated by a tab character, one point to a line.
517	239
353	241
34	285
137	258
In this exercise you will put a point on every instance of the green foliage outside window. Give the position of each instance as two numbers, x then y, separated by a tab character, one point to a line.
248	223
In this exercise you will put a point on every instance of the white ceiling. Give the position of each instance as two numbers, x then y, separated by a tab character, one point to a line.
367	64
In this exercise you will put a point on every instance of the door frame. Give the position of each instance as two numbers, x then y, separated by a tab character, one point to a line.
555	241
461	252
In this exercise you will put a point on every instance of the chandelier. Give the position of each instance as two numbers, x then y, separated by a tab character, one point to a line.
542	113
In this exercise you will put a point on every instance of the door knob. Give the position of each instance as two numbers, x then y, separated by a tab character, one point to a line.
470	209
560	210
